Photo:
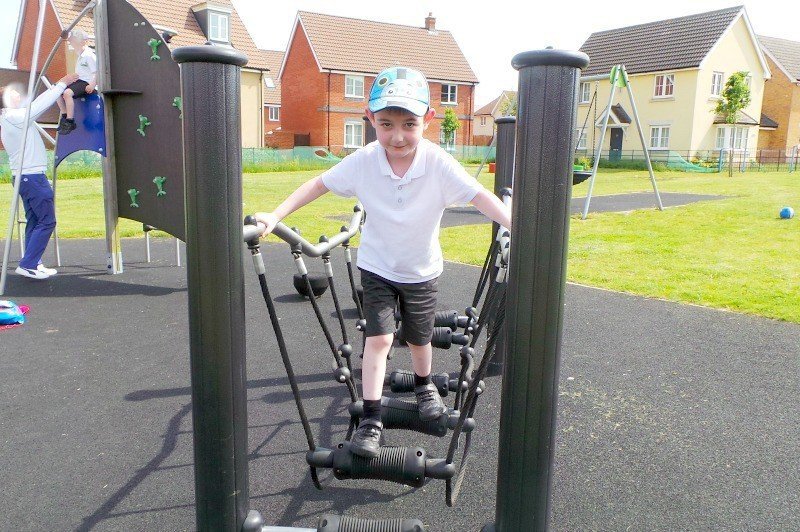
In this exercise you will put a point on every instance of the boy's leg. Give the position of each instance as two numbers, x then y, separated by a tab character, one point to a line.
418	309
69	103
37	193
379	304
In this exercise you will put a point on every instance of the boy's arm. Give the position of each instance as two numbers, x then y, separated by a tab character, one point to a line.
46	99
493	208
305	194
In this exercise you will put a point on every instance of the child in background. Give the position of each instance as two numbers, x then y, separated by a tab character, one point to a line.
404	182
86	69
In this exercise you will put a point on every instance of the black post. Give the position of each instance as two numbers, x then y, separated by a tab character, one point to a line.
503	178
210	85
547	103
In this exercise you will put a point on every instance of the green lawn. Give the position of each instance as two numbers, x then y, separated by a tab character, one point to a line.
733	254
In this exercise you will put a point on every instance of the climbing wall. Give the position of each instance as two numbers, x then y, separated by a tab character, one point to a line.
146	107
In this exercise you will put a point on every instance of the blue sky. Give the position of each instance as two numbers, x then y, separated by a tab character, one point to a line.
489	33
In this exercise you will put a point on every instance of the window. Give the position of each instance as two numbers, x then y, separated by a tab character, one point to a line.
665	84
586	90
581	134
748	80
449	94
659	137
354	86
353	134
720	144
483	120
269	83
274	113
447	144
218	26
724	133
716	83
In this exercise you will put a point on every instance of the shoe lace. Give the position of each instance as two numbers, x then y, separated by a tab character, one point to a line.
369	431
426	395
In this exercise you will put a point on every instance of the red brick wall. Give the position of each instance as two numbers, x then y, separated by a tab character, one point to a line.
281	140
51	33
270	125
303	89
781	103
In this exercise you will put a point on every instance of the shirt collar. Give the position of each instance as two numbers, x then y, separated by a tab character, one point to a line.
417	168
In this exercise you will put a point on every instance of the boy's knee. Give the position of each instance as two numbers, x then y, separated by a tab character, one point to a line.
68	93
383	341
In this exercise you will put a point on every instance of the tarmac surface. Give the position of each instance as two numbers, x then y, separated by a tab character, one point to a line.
612	203
670	416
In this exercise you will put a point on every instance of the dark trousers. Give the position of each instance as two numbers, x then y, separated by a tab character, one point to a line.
40	216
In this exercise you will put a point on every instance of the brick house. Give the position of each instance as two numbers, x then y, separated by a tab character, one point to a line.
274	136
486	115
677	69
181	23
331	62
780	110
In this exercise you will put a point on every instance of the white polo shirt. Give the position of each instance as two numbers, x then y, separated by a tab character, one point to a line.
400	238
86	65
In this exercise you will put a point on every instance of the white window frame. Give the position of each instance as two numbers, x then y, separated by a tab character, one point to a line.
483	120
664	83
274	114
451	99
581	133
351	86
717	82
269	82
586	90
658	139
356	128
218	36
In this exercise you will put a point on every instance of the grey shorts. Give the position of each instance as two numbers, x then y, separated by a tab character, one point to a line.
416	302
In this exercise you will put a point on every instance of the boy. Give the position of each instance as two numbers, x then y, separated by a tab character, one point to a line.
35	190
86	69
404	183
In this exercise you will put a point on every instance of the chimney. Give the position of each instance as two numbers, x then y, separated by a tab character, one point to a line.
430	23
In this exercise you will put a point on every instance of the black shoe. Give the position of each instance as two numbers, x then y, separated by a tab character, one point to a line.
366	440
429	402
61	120
69	126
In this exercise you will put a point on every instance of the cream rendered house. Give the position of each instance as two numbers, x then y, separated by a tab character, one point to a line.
677	69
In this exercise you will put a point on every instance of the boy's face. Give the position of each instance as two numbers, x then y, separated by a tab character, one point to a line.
399	131
77	44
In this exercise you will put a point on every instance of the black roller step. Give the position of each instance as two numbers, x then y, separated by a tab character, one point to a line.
343	523
402	465
399	414
402	381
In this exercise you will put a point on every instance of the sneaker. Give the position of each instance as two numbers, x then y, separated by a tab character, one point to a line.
429	402
69	126
32	274
366	440
49	271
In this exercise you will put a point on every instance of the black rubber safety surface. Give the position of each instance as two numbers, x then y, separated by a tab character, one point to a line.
612	203
671	417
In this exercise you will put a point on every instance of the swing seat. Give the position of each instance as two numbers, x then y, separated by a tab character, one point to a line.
319	283
579	176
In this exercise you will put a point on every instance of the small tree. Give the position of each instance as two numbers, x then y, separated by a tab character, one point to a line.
509	106
449	125
735	97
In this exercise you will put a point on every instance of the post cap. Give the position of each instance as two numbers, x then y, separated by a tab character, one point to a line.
550	57
209	54
506	120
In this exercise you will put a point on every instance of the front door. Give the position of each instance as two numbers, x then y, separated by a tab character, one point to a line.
615	154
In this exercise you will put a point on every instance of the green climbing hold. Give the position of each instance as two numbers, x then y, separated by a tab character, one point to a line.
154	44
133	193
143	123
159	181
177	101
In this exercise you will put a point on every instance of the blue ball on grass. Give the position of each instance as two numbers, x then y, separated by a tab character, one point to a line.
786	213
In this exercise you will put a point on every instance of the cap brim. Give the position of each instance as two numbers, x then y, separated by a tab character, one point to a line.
413	106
